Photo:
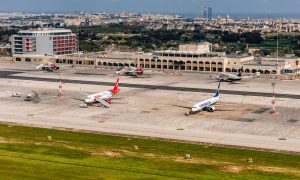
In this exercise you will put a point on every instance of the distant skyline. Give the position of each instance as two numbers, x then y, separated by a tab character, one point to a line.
154	6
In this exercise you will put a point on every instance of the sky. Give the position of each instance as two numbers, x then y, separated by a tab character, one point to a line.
154	6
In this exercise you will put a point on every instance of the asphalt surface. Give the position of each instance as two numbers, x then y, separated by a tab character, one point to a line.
7	75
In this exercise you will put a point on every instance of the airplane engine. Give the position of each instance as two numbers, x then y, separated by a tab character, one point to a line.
108	101
211	109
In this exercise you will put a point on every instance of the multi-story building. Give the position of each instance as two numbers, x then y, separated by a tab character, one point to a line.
44	42
206	13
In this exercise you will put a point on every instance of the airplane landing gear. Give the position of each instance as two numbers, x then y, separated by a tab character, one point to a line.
187	113
100	105
190	113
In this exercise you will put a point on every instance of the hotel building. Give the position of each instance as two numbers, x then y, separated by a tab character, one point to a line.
44	42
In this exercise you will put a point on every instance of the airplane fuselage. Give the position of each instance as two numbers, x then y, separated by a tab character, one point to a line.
229	77
131	71
205	104
102	95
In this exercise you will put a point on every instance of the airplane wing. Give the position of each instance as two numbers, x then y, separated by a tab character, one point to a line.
180	98
133	73
223	79
248	77
39	67
83	93
103	102
188	101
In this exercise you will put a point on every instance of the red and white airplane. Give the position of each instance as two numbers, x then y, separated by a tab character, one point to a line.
103	98
130	71
49	66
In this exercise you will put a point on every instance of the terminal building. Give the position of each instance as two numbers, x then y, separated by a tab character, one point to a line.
44	42
193	57
189	58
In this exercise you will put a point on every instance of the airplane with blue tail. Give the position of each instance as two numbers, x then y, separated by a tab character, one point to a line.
206	105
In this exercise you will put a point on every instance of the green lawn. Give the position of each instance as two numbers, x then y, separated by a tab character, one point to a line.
272	44
26	153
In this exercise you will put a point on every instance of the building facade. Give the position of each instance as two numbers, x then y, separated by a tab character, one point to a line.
44	42
206	13
189	58
192	57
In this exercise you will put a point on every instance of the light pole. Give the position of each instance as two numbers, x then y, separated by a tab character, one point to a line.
273	102
60	85
277	49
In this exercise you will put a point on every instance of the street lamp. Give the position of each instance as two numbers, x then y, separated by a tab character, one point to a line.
60	86
273	102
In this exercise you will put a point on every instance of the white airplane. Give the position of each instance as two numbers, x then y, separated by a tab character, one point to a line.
130	71
49	66
207	105
103	98
228	77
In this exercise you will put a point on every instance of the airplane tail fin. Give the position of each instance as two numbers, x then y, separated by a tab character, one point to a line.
240	74
240	71
218	90
116	89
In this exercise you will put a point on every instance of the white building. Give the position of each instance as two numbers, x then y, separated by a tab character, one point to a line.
44	42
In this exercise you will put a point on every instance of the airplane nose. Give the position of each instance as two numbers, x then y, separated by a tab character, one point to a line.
194	109
87	101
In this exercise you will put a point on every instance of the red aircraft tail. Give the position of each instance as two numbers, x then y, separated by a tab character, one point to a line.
116	89
139	71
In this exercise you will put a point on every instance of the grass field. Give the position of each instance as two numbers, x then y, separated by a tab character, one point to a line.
272	44
29	153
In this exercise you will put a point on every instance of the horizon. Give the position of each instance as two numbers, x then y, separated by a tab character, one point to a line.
157	6
184	14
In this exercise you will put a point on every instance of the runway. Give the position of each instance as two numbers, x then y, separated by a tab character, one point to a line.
8	75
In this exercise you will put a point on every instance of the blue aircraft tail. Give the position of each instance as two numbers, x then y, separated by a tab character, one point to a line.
218	91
